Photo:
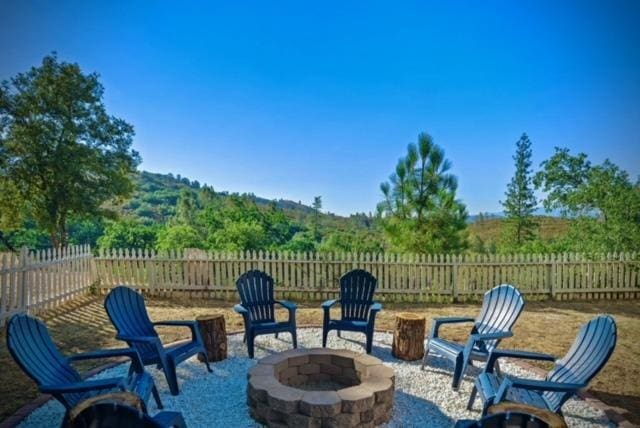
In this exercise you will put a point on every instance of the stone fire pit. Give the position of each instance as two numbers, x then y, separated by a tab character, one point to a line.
320	387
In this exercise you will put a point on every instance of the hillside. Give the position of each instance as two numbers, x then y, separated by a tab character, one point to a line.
156	196
490	229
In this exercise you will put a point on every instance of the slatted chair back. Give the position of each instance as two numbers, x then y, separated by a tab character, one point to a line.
31	346
501	307
356	294
587	356
128	313
256	290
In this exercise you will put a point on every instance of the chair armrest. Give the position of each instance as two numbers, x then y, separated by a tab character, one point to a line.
145	339
376	307
241	309
491	336
329	303
87	385
287	304
186	323
132	354
536	385
106	353
450	320
437	322
513	353
545	385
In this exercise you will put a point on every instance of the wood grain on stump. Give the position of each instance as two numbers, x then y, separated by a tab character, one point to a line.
553	419
408	336
214	335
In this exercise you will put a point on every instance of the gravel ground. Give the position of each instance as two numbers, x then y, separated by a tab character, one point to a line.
422	398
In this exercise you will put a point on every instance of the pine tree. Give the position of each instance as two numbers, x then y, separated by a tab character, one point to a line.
420	212
520	203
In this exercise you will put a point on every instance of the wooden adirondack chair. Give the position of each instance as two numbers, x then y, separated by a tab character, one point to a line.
31	346
501	307
128	314
256	291
589	353
110	415
358	308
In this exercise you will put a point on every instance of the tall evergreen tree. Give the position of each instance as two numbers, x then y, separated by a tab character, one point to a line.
420	212
520	203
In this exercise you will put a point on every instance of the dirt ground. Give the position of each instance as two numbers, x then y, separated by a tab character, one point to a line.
82	325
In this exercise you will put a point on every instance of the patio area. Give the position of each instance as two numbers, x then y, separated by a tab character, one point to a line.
420	395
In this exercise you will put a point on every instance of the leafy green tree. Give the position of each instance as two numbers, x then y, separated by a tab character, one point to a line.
301	241
520	203
128	234
63	155
350	241
601	199
240	235
179	236
420	212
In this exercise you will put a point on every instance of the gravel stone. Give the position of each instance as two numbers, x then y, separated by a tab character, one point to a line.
423	398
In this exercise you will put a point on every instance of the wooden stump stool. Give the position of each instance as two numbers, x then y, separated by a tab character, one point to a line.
214	335
408	336
554	420
119	397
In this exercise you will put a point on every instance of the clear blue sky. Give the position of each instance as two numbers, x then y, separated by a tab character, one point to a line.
296	99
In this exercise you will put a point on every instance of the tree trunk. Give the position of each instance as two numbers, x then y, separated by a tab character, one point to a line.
408	336
214	335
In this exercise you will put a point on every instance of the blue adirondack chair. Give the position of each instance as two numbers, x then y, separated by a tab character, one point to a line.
128	314
256	290
501	307
587	356
31	346
110	415
358	308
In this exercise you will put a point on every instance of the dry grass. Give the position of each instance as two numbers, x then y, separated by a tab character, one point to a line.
82	325
490	230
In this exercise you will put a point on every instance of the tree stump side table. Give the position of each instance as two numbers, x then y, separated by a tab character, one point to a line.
408	336
553	419
214	335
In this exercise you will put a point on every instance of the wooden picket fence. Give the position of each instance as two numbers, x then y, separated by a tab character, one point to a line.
35	280
405	277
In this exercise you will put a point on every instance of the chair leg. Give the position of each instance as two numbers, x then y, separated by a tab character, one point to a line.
172	378
206	360
426	354
156	397
294	338
340	334
472	398
369	341
250	341
325	332
276	334
458	371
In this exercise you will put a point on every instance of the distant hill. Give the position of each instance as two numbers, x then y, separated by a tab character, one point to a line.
156	196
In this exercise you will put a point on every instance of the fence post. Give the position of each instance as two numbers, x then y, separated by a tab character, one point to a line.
553	272
454	275
22	269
